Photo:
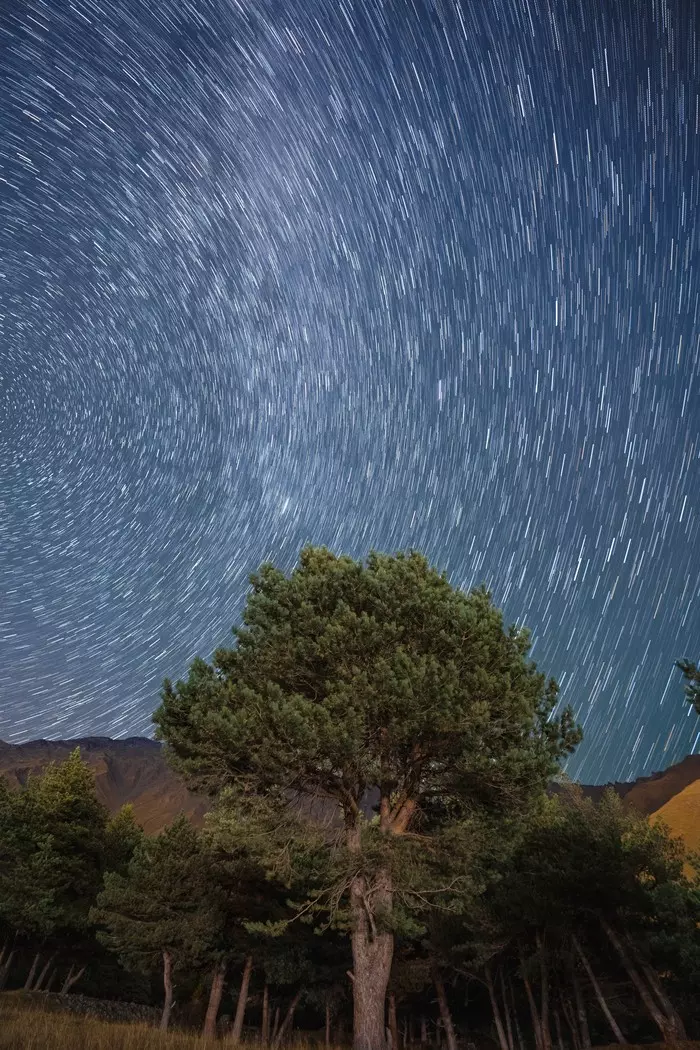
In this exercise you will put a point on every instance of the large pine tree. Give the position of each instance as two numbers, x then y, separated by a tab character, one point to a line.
349	678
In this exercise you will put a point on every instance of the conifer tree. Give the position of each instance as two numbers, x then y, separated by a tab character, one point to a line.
28	865
349	678
590	889
64	808
691	673
163	911
122	835
51	861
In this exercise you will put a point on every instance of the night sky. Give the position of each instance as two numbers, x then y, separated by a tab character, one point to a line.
390	274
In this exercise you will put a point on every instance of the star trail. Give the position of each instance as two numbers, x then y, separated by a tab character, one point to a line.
377	274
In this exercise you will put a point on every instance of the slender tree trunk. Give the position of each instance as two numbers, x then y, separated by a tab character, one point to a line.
602	1002
500	1030
5	972
506	1013
72	978
658	990
42	976
30	977
217	990
514	1008
69	975
372	953
518	1030
288	1018
557	1025
275	1025
168	989
265	1029
444	1006
536	1026
544	994
327	1038
662	1023
580	1009
52	978
423	1031
568	1012
393	1023
237	1030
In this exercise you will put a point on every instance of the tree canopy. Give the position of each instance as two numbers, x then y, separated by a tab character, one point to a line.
691	673
351	678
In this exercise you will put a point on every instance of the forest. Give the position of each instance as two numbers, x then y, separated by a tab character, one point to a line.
385	865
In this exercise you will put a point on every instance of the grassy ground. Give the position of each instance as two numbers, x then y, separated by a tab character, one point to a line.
27	1027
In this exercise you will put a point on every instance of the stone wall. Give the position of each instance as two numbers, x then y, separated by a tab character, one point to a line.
103	1009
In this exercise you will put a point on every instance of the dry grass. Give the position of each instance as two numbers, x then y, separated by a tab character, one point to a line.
681	814
28	1027
690	1044
25	1025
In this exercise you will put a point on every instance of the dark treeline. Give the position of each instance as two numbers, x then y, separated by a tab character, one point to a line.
382	863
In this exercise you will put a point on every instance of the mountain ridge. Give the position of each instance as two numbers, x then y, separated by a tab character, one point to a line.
134	770
131	770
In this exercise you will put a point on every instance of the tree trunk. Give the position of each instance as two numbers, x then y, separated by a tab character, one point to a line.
372	953
502	1041
327	1040
275	1025
217	990
52	978
288	1018
237	1030
571	1021
514	1008
602	1002
657	988
536	1026
168	988
444	1006
30	978
68	977
265	1027
580	1010
5	972
423	1030
518	1030
393	1024
557	1025
72	979
506	1013
42	976
544	994
662	1023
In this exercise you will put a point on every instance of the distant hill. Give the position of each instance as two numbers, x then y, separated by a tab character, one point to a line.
650	794
135	771
682	814
132	770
